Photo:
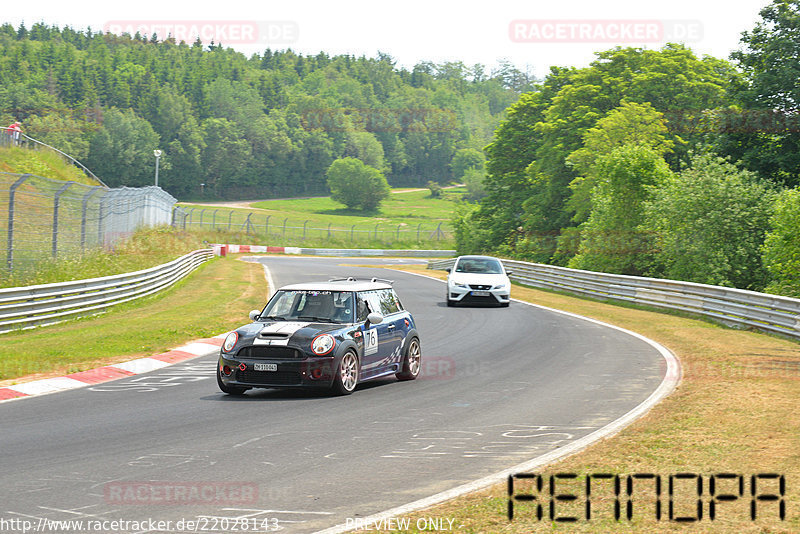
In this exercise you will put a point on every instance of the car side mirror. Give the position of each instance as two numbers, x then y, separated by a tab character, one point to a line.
509	273
449	270
374	318
254	315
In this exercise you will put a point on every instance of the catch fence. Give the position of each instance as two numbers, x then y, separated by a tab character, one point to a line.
281	229
44	219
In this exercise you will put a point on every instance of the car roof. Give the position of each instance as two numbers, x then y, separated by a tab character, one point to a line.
477	258
339	285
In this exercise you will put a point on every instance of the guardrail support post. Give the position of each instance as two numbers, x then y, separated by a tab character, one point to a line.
10	244
266	226
305	224
284	227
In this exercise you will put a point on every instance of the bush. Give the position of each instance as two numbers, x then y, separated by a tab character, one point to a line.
356	185
709	223
436	189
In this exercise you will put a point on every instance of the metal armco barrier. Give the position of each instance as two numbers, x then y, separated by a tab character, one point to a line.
734	307
40	305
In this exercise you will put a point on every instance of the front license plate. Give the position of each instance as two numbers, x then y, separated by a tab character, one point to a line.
480	293
265	366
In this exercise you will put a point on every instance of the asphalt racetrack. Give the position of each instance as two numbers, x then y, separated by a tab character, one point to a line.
499	386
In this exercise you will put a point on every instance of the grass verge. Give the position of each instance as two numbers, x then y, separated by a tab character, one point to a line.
734	412
146	248
42	163
212	300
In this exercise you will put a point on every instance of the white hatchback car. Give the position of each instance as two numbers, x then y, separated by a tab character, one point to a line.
478	279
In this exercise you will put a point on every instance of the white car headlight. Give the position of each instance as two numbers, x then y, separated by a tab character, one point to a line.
458	284
230	341
500	286
323	344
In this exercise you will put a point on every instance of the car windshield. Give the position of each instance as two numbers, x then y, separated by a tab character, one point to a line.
312	306
479	265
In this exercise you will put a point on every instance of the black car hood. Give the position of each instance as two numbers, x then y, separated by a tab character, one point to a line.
297	332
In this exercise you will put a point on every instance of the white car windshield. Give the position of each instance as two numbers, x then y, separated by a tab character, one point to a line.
479	265
307	305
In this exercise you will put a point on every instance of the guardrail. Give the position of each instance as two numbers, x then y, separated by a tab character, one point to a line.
734	307
40	305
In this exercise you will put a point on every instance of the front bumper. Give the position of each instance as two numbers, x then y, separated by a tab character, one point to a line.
317	372
468	294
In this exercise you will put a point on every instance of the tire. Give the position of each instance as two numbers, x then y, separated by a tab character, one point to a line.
230	390
412	363
450	303
346	379
504	304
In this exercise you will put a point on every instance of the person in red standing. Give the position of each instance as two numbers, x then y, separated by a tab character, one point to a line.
14	130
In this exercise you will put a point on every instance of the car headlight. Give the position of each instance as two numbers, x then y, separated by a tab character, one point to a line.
230	341
500	286
323	344
458	284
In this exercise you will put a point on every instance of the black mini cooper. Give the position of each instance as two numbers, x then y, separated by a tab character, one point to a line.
333	335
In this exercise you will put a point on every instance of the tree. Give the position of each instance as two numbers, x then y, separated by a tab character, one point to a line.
121	152
473	179
226	155
708	223
611	240
630	123
782	246
366	147
767	140
356	185
466	159
61	131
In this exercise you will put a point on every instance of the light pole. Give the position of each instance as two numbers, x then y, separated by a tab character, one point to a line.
157	154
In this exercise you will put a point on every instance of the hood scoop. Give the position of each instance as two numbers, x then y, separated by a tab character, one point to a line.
273	335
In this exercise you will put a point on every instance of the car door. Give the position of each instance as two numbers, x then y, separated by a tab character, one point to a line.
380	340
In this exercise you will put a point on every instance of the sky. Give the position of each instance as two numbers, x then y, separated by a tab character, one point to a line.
533	34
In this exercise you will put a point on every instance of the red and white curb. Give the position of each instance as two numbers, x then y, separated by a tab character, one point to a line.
223	249
201	347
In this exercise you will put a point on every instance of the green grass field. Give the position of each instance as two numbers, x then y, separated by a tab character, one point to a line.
407	219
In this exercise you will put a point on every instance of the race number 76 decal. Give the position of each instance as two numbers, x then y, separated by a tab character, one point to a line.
371	341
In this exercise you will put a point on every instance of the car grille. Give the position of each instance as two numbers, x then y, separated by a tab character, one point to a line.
285	376
267	352
480	287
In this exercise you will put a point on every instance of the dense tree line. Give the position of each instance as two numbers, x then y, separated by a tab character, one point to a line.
266	125
655	162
